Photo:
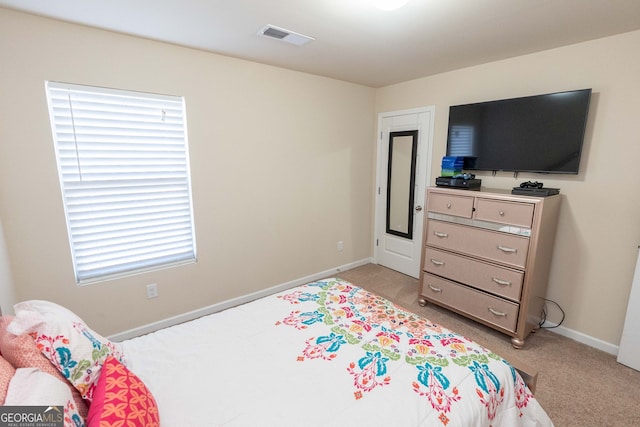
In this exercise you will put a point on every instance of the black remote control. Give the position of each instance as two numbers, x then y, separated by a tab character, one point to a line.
531	184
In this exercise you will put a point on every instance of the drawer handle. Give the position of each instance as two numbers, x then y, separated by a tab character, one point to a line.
507	250
501	282
439	234
436	262
434	289
497	313
501	213
448	205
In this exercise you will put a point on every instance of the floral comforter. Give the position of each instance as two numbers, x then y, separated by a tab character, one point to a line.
327	354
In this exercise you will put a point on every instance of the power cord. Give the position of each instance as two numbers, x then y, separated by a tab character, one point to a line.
544	315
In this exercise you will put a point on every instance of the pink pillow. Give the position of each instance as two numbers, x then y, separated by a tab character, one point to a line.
70	345
121	398
6	373
22	352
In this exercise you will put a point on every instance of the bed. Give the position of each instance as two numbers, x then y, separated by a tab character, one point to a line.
327	353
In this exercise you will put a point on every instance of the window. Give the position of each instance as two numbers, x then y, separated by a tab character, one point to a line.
124	173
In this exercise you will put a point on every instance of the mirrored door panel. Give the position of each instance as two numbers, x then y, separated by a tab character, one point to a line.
401	182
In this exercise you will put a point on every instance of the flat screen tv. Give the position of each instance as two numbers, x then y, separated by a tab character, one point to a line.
541	133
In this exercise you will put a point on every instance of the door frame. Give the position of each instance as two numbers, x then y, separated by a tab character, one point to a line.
425	136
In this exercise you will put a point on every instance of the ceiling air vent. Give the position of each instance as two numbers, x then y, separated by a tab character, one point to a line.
277	33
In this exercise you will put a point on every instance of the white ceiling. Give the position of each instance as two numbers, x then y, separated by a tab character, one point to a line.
354	41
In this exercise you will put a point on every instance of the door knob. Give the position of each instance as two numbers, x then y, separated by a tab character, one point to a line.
418	208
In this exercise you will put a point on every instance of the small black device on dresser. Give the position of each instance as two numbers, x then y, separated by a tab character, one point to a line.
534	188
465	181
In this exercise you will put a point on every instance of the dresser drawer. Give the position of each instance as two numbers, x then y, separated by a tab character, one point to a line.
484	307
510	213
491	278
504	248
450	204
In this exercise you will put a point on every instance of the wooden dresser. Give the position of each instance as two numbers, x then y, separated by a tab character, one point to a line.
487	256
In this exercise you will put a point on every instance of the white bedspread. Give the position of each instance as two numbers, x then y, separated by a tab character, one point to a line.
326	354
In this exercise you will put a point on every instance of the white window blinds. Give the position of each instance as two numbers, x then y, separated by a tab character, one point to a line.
124	172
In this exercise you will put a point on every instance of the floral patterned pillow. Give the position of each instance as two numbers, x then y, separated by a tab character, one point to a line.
70	345
22	352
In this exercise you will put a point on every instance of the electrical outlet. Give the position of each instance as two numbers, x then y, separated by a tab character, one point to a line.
340	246
152	290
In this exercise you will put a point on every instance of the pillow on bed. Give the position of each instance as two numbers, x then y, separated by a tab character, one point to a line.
72	347
6	373
121	398
22	352
32	387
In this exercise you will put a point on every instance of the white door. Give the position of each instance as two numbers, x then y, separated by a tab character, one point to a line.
405	140
629	351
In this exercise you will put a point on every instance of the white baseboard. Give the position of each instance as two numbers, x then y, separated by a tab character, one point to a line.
583	338
191	315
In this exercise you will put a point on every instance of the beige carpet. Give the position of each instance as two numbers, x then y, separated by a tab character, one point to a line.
577	384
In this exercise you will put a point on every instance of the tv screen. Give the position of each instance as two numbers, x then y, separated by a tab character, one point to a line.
542	133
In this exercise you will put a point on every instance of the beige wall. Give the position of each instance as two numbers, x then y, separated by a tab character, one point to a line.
281	162
283	168
599	228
